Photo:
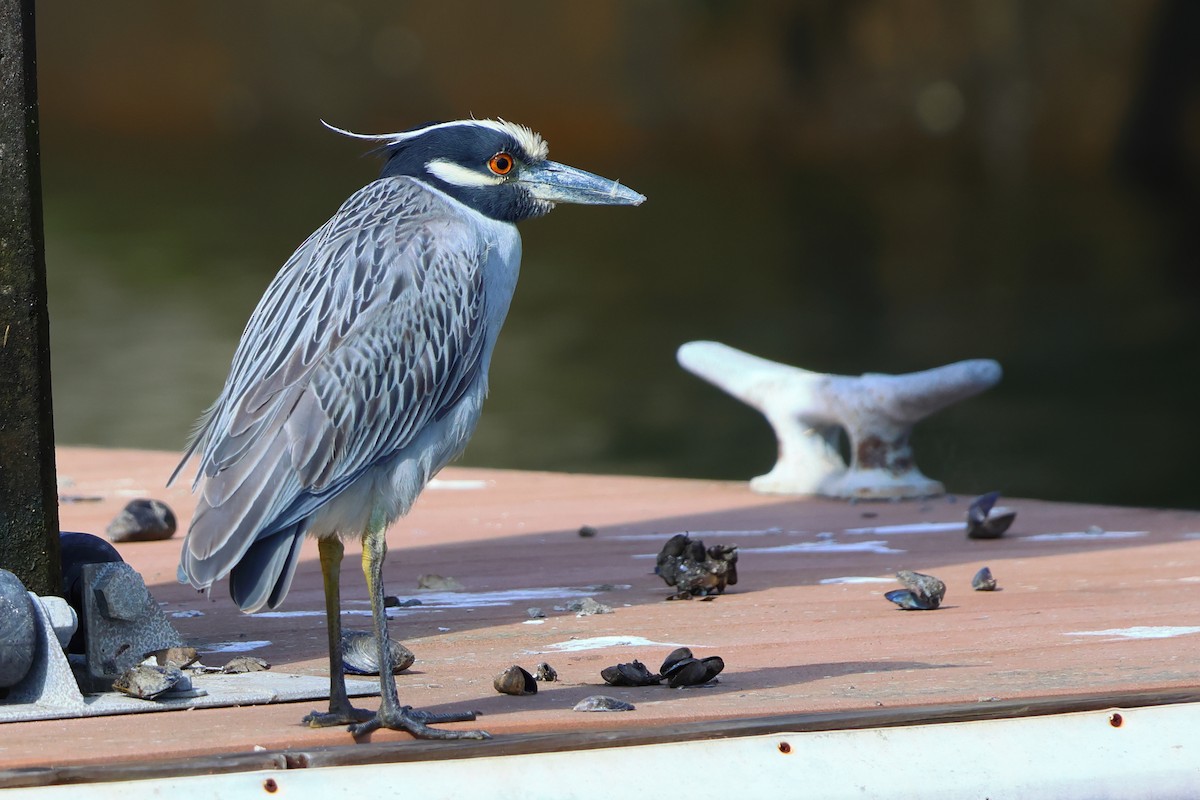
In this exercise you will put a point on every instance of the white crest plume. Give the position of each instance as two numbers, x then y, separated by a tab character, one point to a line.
533	144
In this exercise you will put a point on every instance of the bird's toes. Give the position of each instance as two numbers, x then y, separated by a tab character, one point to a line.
414	723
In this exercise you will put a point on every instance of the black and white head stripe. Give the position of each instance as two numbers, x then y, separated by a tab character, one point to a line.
478	162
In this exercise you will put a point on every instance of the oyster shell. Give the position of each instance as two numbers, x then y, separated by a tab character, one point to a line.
148	681
602	702
545	673
239	664
182	657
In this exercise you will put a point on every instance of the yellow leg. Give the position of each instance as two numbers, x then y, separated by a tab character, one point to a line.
391	714
340	711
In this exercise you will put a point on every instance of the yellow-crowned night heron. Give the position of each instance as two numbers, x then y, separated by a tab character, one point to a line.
362	371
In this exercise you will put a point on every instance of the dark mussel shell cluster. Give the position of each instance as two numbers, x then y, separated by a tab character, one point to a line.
679	669
634	673
693	569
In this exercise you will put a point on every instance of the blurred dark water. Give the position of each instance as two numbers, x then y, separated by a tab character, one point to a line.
838	235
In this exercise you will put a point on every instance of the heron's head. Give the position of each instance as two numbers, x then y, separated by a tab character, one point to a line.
497	168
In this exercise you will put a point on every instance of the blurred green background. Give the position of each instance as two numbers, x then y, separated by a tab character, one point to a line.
845	186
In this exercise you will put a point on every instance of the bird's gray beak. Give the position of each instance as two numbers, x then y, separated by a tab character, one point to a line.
558	183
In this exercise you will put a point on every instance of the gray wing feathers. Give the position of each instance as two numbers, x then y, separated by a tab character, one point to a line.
368	332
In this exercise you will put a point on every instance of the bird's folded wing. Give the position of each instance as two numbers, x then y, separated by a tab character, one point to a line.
371	330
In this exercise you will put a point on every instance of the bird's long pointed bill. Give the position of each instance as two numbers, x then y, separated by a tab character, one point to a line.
558	183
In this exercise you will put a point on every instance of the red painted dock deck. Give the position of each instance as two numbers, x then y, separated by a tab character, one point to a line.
1112	609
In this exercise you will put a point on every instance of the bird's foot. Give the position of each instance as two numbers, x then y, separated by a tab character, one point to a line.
334	718
417	723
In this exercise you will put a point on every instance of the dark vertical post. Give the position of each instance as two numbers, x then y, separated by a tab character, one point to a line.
28	492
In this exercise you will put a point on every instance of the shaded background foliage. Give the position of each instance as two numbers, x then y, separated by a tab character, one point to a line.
845	186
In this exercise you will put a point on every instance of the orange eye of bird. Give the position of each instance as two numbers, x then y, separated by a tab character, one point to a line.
501	163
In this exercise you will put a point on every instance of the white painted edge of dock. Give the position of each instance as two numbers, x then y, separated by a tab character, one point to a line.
1137	752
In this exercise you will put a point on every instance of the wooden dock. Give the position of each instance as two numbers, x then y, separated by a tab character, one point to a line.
1098	608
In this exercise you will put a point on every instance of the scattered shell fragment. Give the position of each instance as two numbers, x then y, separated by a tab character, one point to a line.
545	673
602	702
535	613
142	520
986	520
693	569
240	664
516	681
181	657
439	583
148	681
392	601
983	581
587	607
360	654
587	531
634	673
920	593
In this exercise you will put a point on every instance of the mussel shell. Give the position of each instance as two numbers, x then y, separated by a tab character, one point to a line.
675	656
694	671
986	520
602	702
147	681
360	654
981	506
983	581
516	681
999	521
928	590
631	674
909	601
